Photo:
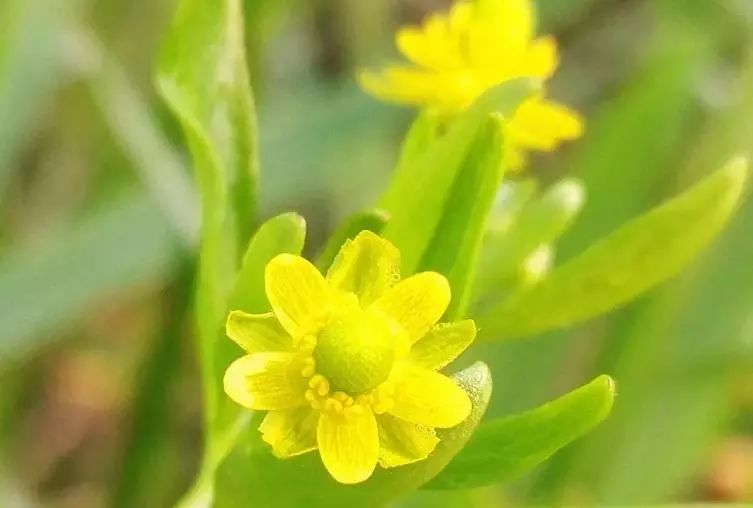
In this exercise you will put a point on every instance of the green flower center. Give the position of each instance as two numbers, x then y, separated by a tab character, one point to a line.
355	352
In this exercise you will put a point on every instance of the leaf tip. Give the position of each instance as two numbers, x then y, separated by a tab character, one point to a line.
295	218
737	171
571	194
608	388
474	377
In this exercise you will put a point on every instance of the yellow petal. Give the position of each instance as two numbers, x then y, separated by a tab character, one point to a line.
541	60
513	19
460	19
428	398
541	125
438	44
367	266
500	34
419	49
298	293
416	303
442	344
349	445
257	332
290	432
447	92
402	442
267	381
515	158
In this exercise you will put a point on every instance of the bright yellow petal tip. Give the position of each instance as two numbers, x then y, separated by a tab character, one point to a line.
346	364
457	56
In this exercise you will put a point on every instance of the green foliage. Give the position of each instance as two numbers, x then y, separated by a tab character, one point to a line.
439	211
95	259
371	220
30	37
504	448
202	76
252	476
419	192
641	254
284	234
457	240
620	175
530	225
78	119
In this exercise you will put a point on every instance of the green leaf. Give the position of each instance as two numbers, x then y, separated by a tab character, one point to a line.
504	448
135	127
638	256
203	78
456	244
418	194
680	352
622	178
125	244
31	42
420	136
370	220
539	223
252	476
284	234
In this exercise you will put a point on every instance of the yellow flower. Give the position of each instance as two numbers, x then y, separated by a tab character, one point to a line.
458	56
347	364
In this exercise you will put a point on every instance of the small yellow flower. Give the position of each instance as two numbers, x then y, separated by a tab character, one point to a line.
477	45
347	364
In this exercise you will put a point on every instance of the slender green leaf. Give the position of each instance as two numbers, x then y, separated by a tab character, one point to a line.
422	133
135	127
502	449
513	197
202	76
149	433
284	234
455	247
679	355
125	244
539	223
31	33
641	254
371	220
252	476
622	177
419	194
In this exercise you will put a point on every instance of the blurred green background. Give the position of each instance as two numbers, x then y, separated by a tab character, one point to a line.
99	391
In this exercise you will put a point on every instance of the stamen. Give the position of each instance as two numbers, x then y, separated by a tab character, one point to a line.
306	343
333	405
309	367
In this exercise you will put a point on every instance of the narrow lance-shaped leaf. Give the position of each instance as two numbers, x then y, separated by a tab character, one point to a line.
30	65
284	234
41	290
420	136
504	448
539	223
370	220
622	177
203	78
252	476
455	247
641	254
419	194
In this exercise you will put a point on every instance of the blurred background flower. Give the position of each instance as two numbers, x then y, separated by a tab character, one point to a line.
99	396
